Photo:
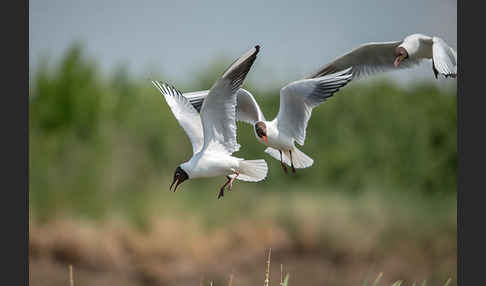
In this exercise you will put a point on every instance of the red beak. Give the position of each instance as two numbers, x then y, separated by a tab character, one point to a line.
398	60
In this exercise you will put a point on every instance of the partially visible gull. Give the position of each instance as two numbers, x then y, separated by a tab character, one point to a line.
371	58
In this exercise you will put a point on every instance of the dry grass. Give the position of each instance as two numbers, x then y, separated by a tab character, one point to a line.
282	281
330	242
126	257
285	282
267	271
71	280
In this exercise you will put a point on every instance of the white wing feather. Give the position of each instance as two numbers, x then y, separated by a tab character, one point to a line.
367	59
185	114
218	111
247	108
445	58
297	99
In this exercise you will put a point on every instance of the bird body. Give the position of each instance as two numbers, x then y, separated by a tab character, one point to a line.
418	46
276	138
207	163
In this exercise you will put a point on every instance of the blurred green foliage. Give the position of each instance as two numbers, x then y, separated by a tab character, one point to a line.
98	142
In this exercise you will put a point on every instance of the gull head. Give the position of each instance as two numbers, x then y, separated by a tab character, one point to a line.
261	130
179	176
400	55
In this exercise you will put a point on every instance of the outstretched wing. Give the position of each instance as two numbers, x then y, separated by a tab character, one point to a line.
297	99
445	58
247	109
218	111
184	112
365	60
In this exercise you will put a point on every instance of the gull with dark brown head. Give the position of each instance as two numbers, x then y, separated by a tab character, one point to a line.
376	57
212	130
297	99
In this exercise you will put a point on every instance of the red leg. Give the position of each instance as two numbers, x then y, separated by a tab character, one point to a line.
221	191
282	163
232	180
291	162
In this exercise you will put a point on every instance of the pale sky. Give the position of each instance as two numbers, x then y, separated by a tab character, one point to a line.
177	38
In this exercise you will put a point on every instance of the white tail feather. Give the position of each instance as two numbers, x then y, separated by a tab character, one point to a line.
253	170
300	159
276	154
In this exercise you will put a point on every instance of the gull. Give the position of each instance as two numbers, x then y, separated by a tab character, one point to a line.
376	57
297	99
212	132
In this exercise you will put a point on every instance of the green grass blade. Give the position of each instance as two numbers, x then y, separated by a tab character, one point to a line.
286	280
397	283
448	282
377	280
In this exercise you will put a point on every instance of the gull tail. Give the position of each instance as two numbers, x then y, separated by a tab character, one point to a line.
253	170
276	154
300	159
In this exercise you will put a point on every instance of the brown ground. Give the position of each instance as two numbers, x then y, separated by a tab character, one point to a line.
182	252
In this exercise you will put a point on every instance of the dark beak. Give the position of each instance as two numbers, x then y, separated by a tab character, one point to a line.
178	182
170	188
398	60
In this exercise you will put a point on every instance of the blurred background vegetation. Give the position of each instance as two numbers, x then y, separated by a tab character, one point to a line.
104	148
